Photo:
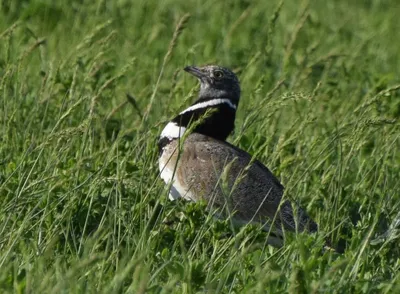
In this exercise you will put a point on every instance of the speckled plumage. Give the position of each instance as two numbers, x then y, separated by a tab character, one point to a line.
251	192
209	168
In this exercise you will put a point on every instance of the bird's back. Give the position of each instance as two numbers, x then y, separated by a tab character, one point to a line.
228	179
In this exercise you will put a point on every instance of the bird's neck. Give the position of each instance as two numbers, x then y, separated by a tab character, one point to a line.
213	117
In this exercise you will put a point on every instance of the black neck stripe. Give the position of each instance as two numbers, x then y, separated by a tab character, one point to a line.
218	122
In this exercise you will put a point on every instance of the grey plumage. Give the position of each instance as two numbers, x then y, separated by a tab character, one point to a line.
251	193
212	86
209	168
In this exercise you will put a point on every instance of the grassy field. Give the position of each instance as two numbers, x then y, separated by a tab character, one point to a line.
82	209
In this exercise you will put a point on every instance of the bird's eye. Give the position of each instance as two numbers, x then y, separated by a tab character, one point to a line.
218	74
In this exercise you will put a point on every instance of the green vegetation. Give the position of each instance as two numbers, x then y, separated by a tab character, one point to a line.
82	209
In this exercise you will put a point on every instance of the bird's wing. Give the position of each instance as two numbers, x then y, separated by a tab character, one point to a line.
251	188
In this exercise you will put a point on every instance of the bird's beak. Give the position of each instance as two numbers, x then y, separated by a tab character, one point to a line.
197	72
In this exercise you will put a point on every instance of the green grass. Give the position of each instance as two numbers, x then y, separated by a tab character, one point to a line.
82	209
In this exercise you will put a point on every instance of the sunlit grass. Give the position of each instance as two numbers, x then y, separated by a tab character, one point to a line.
82	207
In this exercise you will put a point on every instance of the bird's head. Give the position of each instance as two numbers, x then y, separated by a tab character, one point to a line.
216	82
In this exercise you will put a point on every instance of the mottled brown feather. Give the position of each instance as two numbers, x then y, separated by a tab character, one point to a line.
250	191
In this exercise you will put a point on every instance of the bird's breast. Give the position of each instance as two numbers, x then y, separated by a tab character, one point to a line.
170	172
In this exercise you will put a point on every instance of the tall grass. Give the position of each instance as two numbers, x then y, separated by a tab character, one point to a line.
82	208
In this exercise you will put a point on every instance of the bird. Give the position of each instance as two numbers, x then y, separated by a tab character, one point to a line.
198	164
